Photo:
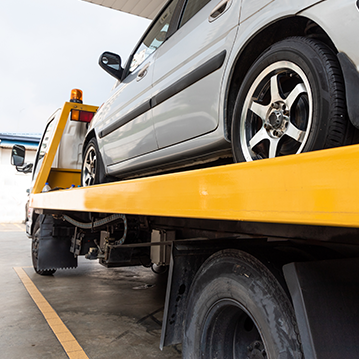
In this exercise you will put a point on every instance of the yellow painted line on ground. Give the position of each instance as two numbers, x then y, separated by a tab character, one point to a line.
12	227
66	339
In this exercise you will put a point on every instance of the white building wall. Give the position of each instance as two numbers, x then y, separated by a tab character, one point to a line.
13	187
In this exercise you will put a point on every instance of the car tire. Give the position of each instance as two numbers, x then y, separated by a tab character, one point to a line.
91	164
237	309
292	100
35	247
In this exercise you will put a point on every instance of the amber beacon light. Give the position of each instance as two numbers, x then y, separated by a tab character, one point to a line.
79	115
76	96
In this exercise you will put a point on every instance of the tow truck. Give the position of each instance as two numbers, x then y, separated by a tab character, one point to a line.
262	257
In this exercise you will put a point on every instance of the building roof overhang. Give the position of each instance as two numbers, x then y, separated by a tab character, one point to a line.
143	8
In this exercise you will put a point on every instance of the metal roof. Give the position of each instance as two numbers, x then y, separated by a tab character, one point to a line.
29	140
10	144
25	137
143	8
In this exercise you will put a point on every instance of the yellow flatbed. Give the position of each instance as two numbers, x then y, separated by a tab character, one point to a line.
317	188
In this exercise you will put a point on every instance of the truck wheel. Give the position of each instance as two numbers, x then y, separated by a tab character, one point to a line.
90	172
237	309
292	100
35	248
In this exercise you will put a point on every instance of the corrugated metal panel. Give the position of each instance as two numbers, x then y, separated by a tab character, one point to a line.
9	144
143	8
26	137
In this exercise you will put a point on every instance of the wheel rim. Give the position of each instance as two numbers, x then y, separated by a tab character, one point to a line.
89	167
276	117
229	332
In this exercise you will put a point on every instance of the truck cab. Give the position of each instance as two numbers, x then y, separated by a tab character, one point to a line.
67	161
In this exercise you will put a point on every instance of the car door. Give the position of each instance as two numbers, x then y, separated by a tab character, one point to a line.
126	129
188	70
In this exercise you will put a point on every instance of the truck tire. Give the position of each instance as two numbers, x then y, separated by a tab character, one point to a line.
292	100
237	309
35	248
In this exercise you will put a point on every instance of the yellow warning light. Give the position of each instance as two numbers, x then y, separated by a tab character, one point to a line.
75	115
76	96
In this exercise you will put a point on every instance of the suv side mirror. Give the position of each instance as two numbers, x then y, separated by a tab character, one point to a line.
111	63
18	155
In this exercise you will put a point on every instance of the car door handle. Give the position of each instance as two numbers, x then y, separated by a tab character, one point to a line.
219	9
142	73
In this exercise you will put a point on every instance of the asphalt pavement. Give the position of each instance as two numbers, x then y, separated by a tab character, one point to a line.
88	312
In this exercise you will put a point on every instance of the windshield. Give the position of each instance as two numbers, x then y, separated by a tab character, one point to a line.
43	146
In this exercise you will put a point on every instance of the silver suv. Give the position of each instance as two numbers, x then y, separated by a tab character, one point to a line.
213	80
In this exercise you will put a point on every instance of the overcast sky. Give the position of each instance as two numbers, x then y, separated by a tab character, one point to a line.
49	47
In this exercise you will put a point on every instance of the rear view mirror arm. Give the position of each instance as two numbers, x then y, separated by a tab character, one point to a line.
111	63
26	168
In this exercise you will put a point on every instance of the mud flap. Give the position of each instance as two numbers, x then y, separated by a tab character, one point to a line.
54	251
325	297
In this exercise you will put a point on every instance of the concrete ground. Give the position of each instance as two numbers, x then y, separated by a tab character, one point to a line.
112	313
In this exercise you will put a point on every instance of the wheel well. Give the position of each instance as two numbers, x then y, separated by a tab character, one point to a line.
103	177
89	136
284	28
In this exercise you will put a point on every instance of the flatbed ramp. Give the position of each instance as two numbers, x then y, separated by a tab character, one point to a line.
317	188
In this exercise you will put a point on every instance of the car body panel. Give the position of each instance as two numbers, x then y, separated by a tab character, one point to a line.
131	140
119	140
249	8
202	148
193	111
336	24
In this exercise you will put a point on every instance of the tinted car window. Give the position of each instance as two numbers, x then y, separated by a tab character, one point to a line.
191	9
155	37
